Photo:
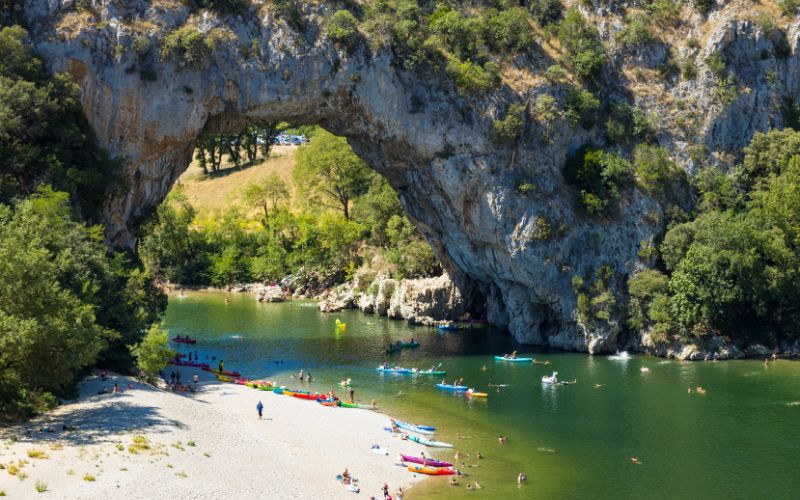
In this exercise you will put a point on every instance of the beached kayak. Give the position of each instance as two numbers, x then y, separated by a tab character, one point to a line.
277	390
312	397
431	471
224	372
427	442
456	388
513	360
397	369
190	363
223	378
426	461
415	428
354	405
328	402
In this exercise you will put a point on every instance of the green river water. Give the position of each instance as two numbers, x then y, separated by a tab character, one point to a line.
740	440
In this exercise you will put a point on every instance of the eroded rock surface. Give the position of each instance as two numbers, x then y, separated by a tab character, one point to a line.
431	142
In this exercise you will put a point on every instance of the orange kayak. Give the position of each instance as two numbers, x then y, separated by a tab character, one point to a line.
432	471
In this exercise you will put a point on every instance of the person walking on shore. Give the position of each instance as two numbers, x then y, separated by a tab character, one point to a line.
260	408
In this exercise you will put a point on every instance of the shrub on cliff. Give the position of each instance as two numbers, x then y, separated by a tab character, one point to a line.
342	28
471	77
509	129
599	177
188	45
583	45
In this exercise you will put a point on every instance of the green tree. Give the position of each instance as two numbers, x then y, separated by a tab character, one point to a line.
266	194
153	352
329	169
583	44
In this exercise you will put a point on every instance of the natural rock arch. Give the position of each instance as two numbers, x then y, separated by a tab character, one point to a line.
431	142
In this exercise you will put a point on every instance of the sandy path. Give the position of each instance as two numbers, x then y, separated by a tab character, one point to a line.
295	452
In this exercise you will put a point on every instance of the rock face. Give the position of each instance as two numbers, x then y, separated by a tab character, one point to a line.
425	301
269	293
431	142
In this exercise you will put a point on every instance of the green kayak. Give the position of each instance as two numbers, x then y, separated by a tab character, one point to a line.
354	405
434	372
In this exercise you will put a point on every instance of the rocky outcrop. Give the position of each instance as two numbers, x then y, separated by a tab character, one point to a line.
269	293
420	301
430	141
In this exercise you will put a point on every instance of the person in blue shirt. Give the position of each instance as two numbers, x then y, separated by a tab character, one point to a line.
260	408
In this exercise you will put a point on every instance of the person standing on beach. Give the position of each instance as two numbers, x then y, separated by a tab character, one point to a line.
260	408
352	392
221	365
301	376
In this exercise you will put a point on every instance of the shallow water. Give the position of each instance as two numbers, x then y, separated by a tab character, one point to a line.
740	440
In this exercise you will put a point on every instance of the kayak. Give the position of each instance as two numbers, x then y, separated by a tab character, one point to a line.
224	372
427	442
190	363
354	405
223	378
240	381
265	387
328	402
395	370
186	340
312	397
450	328
409	344
426	461
474	394
456	388
431	372
277	390
414	428
431	471
513	360
425	427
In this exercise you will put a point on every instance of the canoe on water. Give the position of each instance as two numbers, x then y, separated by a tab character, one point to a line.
474	394
431	372
427	442
449	328
415	428
426	461
431	471
184	340
456	388
397	369
513	360
408	345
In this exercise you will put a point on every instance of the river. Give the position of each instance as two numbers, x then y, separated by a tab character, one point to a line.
739	440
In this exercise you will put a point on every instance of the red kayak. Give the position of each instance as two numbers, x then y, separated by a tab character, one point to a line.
184	340
190	363
427	461
312	397
224	372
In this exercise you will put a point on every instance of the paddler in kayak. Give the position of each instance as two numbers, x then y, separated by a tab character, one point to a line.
514	355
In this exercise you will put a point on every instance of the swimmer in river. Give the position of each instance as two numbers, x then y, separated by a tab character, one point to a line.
521	478
635	460
597	386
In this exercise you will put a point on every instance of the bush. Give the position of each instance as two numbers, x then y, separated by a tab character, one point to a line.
542	231
628	123
599	177
704	6
716	64
509	129
583	43
509	30
342	28
581	107
189	45
689	68
789	7
546	12
470	77
153	352
556	73
655	170
636	32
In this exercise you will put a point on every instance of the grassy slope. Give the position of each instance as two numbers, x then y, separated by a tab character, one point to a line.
213	194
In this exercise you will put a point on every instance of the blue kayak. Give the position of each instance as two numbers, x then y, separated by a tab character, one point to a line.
394	370
456	388
450	328
419	429
513	360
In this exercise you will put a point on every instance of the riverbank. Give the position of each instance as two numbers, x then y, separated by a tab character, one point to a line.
149	443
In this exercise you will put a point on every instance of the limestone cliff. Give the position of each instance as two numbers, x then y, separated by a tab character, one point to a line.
424	301
429	140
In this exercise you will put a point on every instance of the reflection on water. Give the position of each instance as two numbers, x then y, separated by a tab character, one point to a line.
739	440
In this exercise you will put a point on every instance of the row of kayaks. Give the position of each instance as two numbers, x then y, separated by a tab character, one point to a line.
399	370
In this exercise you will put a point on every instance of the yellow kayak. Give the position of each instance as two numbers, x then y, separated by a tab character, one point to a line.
477	394
223	378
